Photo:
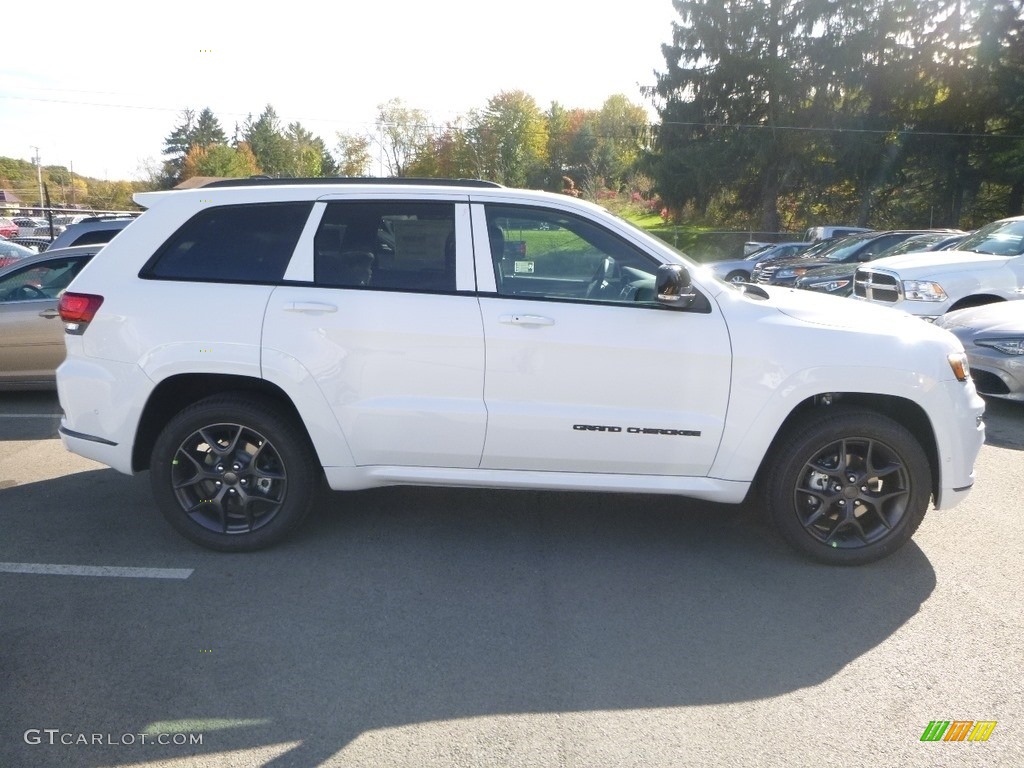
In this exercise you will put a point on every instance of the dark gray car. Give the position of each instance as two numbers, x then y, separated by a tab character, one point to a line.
838	280
993	336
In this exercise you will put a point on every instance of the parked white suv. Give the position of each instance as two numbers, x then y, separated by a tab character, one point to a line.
987	266
245	339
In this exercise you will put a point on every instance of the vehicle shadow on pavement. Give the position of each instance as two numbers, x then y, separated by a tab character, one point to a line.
28	415
1004	424
408	605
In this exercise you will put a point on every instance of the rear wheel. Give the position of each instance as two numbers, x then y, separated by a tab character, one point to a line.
848	486
232	473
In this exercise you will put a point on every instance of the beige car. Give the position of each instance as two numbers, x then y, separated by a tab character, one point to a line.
31	331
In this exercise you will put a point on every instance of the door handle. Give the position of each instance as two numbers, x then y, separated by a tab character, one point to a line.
49	314
525	320
312	307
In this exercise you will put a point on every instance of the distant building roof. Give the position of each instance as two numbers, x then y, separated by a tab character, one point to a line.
198	181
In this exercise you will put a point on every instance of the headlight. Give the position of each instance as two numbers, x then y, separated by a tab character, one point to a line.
961	368
791	272
921	290
1008	346
830	286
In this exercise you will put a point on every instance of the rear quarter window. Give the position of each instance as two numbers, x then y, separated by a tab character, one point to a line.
236	243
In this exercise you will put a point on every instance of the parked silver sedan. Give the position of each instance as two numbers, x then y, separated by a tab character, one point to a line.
993	336
31	332
738	270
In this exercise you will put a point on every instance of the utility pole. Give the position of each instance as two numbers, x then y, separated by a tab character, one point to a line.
39	175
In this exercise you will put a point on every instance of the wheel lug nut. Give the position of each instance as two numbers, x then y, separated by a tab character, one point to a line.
236	467
842	502
218	483
853	479
863	489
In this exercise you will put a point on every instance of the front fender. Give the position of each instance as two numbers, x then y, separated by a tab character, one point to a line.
754	421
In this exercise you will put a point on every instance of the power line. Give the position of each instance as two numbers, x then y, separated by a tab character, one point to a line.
813	129
654	128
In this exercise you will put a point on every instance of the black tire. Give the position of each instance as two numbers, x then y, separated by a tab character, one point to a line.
848	486
737	276
232	473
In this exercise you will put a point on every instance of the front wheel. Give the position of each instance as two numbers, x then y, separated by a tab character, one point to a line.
848	486
232	473
737	277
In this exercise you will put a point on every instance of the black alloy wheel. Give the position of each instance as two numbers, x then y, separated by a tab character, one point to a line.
231	473
849	486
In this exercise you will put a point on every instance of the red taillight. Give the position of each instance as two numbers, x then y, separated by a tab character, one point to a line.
77	310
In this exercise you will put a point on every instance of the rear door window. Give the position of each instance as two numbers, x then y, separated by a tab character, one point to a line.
391	245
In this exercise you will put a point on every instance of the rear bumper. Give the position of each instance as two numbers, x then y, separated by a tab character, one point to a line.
102	403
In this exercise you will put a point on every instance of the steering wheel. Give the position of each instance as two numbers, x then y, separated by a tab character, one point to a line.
607	271
26	292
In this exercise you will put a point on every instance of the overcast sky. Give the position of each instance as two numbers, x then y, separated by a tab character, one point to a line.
98	85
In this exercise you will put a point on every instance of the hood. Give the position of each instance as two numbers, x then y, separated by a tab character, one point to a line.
947	261
841	312
1005	317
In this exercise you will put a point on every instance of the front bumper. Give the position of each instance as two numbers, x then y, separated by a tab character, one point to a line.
959	440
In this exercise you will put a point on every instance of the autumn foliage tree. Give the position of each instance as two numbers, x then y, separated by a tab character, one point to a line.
219	160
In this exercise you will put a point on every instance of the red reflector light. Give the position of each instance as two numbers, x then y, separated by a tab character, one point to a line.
78	308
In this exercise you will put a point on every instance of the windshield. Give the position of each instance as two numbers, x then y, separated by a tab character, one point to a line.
1000	238
822	246
918	243
837	250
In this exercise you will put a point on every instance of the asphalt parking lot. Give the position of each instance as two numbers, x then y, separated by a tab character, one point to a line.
426	627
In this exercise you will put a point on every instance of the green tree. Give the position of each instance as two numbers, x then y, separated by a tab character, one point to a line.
447	154
202	130
309	155
354	157
268	143
621	139
402	132
511	135
900	112
176	146
220	160
736	80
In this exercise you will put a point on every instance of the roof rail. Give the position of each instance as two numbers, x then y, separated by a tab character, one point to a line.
109	217
261	181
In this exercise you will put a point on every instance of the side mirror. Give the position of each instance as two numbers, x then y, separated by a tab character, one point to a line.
673	286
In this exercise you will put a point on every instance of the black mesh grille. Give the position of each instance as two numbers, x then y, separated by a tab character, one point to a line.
988	383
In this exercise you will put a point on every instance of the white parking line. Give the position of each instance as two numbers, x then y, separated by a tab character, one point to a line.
96	570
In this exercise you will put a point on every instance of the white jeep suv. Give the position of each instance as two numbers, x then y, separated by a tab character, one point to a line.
246	339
